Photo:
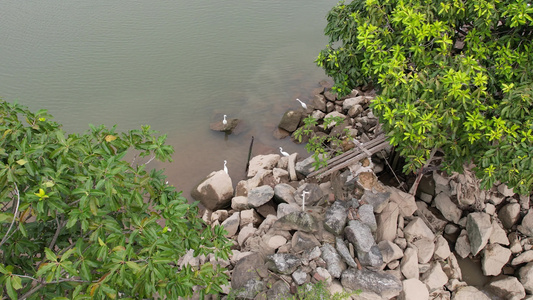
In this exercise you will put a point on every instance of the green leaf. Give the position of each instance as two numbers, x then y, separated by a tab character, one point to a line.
132	265
16	282
50	255
10	291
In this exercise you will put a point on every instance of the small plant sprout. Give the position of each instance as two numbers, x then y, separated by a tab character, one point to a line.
303	199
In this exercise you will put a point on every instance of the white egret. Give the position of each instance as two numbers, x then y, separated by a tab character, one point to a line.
303	104
225	168
283	152
224	121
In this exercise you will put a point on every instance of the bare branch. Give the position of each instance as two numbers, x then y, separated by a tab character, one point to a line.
14	215
60	225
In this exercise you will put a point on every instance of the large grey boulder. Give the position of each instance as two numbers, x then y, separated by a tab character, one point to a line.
249	268
319	102
359	235
215	191
283	263
290	120
479	228
335	217
313	194
378	199
285	209
389	251
371	259
378	282
302	241
262	162
366	215
335	264
298	221
344	252
284	193
350	102
260	195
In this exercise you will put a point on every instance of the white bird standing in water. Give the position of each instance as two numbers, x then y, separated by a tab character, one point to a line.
283	152
224	121
303	104
225	168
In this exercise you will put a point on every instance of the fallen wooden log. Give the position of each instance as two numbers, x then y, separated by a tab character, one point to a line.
350	157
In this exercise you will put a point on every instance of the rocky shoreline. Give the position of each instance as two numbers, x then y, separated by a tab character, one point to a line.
355	233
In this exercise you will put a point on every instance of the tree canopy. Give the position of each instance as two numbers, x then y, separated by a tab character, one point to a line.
78	221
451	75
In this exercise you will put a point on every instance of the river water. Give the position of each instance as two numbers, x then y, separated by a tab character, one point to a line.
175	65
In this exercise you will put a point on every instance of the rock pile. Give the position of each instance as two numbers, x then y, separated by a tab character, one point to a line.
356	233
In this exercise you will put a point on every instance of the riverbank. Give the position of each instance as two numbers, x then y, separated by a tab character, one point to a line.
355	232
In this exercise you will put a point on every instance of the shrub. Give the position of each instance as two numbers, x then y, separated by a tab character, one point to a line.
451	75
78	222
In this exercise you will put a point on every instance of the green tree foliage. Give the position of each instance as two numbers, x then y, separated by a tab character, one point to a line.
451	75
79	222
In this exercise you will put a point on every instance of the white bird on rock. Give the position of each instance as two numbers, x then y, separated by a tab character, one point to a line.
283	152
303	104
225	168
224	121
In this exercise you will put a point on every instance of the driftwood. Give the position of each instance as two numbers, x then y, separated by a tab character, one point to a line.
348	158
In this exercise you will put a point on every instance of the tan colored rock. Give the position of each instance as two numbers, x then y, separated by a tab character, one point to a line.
462	245
524	258
259	162
442	248
276	241
387	225
425	249
417	229
413	289
507	287
434	278
245	233
469	293
250	216
406	202
498	235
494	258
409	263
449	210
